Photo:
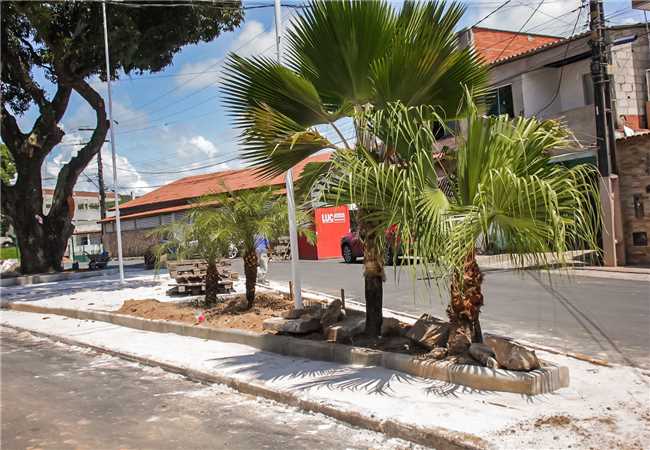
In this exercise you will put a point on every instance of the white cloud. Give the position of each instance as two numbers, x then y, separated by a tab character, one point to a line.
251	39
204	145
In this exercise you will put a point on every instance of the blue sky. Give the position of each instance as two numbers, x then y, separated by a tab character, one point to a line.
172	123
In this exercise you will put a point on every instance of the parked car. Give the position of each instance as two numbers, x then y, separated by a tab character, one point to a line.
352	247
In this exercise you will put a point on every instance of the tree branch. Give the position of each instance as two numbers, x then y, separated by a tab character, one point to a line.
11	133
70	172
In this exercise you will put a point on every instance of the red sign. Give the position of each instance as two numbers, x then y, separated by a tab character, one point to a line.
331	225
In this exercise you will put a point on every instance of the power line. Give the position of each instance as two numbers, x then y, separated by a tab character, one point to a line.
492	13
566	53
520	29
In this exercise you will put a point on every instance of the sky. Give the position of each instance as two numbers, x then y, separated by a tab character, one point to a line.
172	123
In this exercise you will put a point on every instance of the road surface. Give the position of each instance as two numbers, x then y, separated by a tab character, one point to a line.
59	397
601	317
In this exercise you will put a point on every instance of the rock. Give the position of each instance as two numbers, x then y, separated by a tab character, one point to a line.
396	344
345	331
9	266
300	325
438	353
429	332
390	326
313	311
483	354
512	356
331	314
459	341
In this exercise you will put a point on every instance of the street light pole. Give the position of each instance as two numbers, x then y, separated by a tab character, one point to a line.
118	228
291	202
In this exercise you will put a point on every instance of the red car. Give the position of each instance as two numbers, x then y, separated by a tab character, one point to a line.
352	247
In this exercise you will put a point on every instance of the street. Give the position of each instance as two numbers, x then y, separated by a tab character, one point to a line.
601	317
58	397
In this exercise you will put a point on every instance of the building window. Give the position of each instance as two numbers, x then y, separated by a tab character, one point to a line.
639	239
588	89
83	240
499	101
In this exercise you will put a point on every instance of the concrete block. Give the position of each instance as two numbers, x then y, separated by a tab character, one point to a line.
295	326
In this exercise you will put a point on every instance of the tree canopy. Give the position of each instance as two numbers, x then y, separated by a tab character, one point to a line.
51	50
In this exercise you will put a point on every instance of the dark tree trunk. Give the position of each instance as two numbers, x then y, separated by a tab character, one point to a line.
464	307
373	272
42	239
250	271
212	279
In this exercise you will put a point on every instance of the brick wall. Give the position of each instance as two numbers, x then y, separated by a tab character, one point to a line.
134	242
633	157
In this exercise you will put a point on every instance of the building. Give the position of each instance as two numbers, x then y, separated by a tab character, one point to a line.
140	216
550	78
86	237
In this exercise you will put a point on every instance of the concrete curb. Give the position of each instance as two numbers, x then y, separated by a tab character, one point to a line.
436	437
545	380
27	280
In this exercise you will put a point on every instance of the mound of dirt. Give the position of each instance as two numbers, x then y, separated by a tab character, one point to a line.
227	314
153	309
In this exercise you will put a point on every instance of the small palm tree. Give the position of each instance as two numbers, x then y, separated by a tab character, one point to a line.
500	187
342	57
246	215
200	233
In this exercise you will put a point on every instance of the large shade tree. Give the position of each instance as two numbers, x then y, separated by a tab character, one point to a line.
497	185
51	50
343	57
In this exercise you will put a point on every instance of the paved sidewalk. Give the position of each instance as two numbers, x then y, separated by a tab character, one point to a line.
59	397
603	408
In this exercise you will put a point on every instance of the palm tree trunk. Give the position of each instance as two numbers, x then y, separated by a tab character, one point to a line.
373	272
211	284
464	307
250	271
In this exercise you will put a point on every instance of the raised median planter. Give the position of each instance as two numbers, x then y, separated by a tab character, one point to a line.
547	379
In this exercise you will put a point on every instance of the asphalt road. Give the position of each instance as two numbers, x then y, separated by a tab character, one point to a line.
59	397
601	317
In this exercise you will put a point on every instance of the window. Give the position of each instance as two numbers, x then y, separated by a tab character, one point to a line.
83	240
499	101
588	89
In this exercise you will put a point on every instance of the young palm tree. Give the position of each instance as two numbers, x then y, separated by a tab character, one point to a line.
246	215
342	57
502	188
200	233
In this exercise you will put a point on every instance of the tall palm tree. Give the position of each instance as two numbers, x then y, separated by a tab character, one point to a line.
247	215
341	58
500	187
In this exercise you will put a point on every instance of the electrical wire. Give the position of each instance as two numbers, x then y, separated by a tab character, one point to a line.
492	13
520	29
566	53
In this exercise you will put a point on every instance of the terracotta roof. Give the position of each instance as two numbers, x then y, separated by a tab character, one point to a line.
558	42
153	212
49	191
213	183
495	45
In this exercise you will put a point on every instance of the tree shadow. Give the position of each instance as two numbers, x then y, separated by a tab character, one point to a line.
305	375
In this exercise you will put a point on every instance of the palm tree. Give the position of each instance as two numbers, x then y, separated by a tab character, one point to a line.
200	233
500	187
246	215
343	57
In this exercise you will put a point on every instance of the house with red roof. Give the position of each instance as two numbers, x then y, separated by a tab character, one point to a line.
138	217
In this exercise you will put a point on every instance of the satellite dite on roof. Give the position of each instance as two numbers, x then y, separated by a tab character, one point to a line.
641	4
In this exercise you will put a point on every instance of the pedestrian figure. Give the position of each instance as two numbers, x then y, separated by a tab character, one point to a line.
262	251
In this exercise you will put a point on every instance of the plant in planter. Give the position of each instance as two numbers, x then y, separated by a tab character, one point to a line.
500	186
244	216
374	55
199	234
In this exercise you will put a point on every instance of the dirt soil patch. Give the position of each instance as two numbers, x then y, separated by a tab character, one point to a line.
230	313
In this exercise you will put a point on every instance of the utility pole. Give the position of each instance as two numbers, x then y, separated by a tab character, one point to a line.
102	189
118	227
291	202
613	253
